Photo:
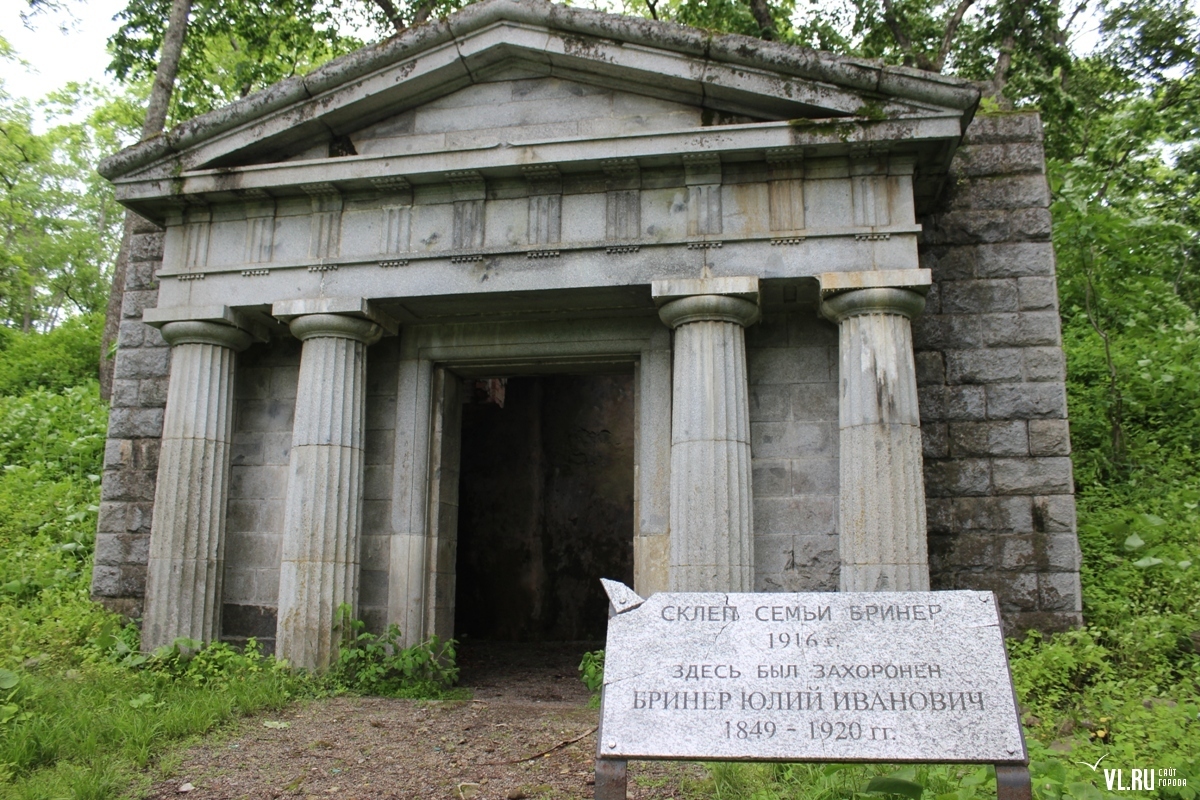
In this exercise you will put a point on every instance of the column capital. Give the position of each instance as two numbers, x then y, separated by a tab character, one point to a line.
200	332
189	325
875	300
357	307
709	308
684	300
312	326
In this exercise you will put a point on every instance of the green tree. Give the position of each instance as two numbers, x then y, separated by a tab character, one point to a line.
58	219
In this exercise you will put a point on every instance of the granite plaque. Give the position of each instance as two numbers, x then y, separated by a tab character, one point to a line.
884	676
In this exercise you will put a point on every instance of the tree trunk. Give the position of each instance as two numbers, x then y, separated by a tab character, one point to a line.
156	117
168	66
762	15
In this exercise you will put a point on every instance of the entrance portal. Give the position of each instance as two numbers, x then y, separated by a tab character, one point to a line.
545	506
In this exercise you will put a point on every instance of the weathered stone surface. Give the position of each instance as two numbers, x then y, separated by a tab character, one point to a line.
1006	191
146	246
1005	128
1037	293
143	362
989	438
1000	159
825	677
320	562
712	503
1054	513
960	477
187	541
1026	401
979	296
966	402
935	441
881	514
125	580
983	366
1026	329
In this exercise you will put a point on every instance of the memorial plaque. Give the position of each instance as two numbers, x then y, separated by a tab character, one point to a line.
886	676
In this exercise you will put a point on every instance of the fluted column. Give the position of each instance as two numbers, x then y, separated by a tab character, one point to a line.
323	517
187	535
712	518
881	534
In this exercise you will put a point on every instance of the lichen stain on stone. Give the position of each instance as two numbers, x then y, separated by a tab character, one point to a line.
587	48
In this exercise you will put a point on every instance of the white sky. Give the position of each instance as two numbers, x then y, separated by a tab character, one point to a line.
56	57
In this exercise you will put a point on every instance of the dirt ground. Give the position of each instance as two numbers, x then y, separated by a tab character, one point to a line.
526	732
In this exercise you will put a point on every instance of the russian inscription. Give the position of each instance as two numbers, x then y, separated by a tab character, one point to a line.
905	676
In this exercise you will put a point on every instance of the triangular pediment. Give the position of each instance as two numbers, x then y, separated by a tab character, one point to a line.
519	105
506	71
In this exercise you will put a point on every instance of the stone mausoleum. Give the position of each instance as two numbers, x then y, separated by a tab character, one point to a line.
458	324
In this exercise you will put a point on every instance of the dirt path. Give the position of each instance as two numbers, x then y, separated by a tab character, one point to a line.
526	700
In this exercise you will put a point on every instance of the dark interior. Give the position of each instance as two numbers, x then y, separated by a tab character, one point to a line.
545	507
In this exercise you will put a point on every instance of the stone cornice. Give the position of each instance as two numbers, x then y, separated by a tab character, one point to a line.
152	196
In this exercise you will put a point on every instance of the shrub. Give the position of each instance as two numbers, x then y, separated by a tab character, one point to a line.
66	356
380	665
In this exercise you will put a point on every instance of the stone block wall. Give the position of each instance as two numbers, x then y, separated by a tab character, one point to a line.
265	401
135	422
991	379
264	405
792	363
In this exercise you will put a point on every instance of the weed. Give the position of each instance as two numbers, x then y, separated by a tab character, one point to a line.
382	666
591	672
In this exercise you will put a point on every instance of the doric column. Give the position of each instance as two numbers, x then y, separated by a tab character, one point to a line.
712	518
323	517
187	536
881	510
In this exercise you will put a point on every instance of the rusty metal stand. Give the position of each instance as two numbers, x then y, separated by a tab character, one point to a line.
1012	782
611	778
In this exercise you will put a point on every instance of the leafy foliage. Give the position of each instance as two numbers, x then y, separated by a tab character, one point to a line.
591	672
381	665
59	359
232	48
59	222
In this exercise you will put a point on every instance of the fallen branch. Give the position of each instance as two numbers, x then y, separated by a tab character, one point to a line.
544	753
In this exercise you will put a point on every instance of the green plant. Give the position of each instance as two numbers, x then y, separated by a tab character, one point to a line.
591	672
59	359
381	665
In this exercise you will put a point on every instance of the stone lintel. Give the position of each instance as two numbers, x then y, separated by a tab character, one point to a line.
665	291
360	307
917	280
221	315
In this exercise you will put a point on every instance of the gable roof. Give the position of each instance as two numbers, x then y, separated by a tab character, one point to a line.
729	73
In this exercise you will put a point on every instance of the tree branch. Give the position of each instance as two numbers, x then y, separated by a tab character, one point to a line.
902	39
168	67
951	29
762	15
393	15
424	10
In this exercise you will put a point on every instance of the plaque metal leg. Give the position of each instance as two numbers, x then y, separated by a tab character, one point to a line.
1012	782
612	778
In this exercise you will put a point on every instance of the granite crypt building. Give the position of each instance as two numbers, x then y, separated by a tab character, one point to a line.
460	323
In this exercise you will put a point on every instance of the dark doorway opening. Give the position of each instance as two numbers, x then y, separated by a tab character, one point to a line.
545	506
